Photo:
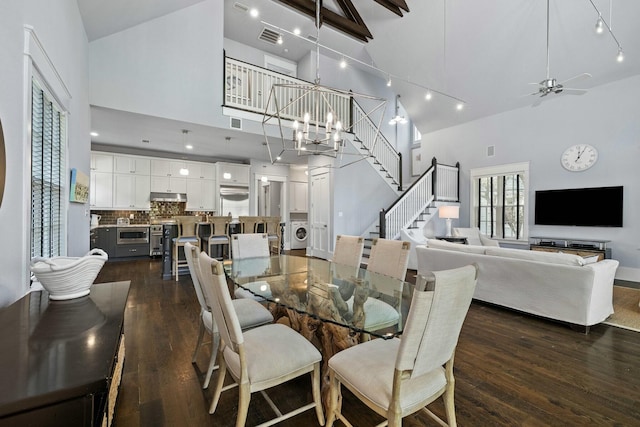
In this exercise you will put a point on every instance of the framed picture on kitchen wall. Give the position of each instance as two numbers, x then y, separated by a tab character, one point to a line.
79	188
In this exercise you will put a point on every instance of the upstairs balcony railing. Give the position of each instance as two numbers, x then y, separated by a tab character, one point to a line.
248	87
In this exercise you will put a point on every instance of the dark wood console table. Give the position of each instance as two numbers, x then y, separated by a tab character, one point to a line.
581	247
61	361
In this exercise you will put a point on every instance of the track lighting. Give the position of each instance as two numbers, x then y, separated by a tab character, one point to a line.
280	41
620	56
389	82
599	25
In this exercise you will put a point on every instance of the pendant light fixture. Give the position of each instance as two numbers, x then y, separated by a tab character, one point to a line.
184	171
312	119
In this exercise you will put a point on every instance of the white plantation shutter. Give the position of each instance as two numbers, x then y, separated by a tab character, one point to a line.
48	127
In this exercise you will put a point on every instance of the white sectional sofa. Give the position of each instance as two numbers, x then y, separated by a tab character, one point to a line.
558	286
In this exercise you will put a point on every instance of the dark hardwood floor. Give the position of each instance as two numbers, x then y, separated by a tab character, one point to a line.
511	369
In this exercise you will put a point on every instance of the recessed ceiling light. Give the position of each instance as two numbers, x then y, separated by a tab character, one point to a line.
296	31
460	106
427	96
226	175
94	134
254	12
280	41
189	147
343	63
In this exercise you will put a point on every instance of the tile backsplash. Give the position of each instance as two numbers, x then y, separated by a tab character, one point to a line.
158	210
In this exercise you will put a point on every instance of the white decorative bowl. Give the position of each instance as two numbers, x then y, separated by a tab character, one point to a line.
66	277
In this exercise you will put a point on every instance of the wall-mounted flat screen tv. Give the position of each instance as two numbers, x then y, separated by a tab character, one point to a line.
583	207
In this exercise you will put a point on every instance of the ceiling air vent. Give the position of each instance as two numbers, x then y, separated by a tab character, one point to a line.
235	123
269	36
491	150
241	7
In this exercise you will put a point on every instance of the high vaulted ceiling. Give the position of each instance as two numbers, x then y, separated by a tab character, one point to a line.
485	53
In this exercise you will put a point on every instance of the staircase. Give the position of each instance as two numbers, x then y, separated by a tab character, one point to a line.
416	206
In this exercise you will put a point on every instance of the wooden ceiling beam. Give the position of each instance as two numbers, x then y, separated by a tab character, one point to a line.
351	23
395	6
355	29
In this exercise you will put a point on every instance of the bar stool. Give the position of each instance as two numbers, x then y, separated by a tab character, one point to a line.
219	235
187	233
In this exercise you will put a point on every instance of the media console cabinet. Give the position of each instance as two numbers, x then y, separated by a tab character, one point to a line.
61	361
581	247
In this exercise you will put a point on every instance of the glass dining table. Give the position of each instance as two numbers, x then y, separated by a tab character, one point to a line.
334	306
318	292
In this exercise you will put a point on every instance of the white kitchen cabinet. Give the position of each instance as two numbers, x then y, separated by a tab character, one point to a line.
200	195
101	162
131	191
233	174
168	184
101	190
199	170
299	196
131	164
161	167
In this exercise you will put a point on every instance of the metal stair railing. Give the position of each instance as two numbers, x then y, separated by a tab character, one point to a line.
368	134
439	182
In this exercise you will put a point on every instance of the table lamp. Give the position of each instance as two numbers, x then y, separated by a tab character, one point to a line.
449	212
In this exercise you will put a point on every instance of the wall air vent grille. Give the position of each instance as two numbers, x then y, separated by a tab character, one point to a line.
269	36
235	123
491	151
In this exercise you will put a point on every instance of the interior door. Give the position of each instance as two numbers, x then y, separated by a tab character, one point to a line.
320	215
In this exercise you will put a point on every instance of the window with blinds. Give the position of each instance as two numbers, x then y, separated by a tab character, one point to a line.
48	140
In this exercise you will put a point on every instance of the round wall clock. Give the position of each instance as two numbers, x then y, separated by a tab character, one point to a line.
579	157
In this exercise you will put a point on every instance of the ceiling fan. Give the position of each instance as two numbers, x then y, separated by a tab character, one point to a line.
551	85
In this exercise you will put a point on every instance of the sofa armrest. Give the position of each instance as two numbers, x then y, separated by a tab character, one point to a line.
602	290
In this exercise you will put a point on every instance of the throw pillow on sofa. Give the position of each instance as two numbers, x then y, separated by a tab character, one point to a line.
472	235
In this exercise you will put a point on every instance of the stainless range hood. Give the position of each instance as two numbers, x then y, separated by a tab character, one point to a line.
168	197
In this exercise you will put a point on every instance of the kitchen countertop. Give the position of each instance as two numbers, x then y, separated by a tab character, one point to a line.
118	226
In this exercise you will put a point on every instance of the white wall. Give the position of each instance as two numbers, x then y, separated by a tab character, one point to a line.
60	30
606	117
169	67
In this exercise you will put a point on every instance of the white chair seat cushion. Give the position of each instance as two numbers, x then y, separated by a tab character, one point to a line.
185	239
256	290
251	313
268	354
355	365
378	314
218	240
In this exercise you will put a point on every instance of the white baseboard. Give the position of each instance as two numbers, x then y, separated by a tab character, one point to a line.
628	274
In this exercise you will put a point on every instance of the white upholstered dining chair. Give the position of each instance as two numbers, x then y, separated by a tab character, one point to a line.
255	246
398	377
348	250
250	313
389	259
260	358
